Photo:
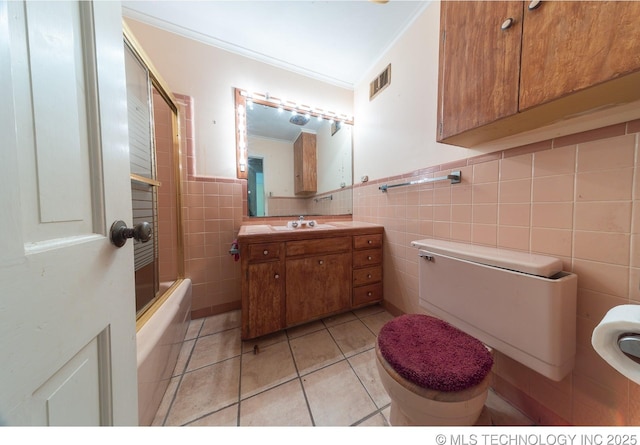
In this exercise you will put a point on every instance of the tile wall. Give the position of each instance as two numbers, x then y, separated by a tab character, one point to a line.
336	202
212	213
576	198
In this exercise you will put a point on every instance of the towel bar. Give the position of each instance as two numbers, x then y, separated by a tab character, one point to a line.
455	178
330	198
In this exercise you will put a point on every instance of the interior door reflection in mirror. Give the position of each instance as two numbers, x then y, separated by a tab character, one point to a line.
298	164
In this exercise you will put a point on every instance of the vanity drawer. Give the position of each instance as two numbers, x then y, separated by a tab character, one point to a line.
368	275
367	257
316	246
264	251
367	294
367	241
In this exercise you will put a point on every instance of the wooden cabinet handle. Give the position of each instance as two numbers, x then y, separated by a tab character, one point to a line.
506	24
265	252
534	4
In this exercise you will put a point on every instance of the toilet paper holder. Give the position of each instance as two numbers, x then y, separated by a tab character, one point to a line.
630	345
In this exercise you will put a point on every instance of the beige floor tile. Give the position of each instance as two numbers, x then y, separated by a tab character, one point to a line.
338	319
272	366
221	322
376	321
283	405
194	328
305	329
364	365
225	417
205	390
314	351
338	391
375	420
336	396
352	337
165	404
386	413
183	357
368	310
215	348
503	413
264	341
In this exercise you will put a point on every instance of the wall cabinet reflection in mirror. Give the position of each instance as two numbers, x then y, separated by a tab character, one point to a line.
297	160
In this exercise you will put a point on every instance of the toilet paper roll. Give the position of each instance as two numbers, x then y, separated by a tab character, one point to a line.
623	319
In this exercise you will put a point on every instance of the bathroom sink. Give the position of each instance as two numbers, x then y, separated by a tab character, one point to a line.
305	225
281	228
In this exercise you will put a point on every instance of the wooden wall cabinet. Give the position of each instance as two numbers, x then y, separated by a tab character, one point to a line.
508	67
305	164
296	277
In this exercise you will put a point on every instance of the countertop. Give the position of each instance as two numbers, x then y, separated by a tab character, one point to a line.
251	232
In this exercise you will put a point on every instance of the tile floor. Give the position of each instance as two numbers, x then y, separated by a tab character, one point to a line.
322	373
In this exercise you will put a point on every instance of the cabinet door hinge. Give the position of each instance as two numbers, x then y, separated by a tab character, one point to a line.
444	36
441	128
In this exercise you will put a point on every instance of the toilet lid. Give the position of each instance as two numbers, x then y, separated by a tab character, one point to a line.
433	354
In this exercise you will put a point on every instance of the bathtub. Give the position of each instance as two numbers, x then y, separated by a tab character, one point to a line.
159	341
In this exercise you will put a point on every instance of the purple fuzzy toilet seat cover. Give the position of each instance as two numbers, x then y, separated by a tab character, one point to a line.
433	354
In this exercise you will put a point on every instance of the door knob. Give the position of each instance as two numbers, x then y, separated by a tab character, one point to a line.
119	233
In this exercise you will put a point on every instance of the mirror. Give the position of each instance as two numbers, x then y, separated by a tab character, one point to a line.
296	161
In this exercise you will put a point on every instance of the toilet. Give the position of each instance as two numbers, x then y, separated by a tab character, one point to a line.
436	367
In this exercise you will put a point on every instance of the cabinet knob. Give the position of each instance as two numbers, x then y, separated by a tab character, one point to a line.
369	258
534	4
506	24
370	242
369	293
321	262
276	276
368	275
265	252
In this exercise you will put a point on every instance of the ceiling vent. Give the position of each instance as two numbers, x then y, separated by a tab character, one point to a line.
380	83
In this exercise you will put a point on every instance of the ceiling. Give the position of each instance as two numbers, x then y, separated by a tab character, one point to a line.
272	123
333	41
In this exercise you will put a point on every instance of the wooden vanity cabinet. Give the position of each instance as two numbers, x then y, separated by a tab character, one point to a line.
499	77
305	164
367	269
318	278
263	289
317	286
306	276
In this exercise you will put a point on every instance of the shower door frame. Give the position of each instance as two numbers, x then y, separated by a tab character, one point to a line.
158	83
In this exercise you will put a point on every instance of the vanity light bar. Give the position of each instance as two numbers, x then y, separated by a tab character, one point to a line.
266	99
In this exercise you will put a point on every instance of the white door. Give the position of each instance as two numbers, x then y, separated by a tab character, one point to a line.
67	313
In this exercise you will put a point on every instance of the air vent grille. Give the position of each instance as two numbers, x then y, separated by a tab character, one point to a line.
380	83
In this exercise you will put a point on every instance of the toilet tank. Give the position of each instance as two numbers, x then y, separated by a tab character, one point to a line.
520	304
